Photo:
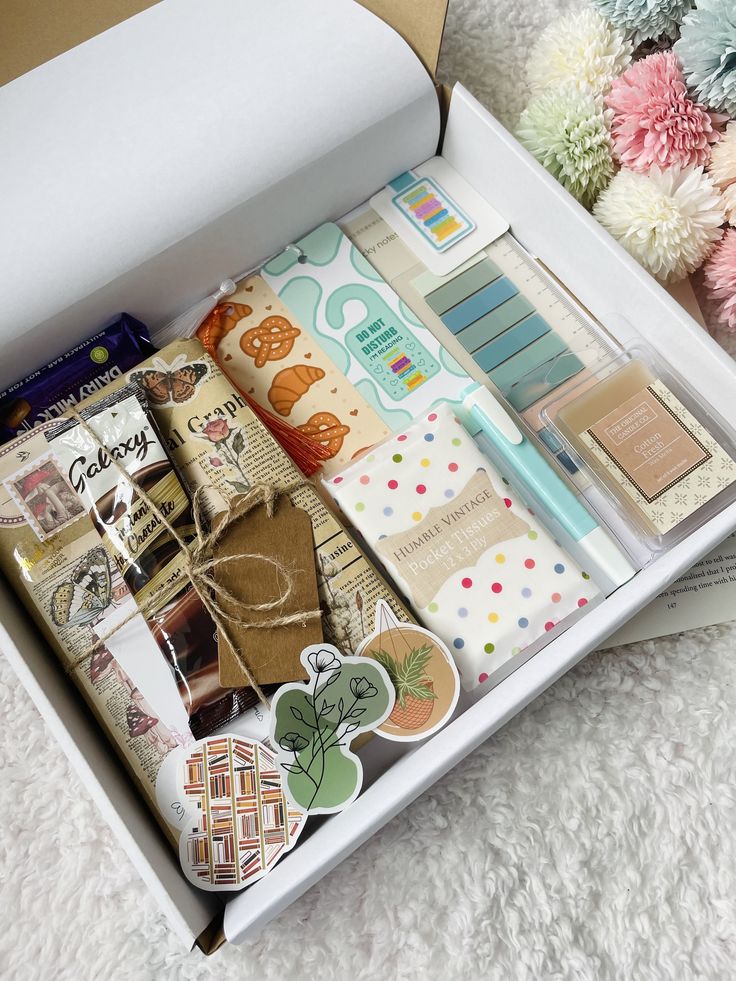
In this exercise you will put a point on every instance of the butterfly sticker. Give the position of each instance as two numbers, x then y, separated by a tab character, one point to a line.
84	597
170	384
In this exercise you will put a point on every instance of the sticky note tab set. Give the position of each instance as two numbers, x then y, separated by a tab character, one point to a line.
497	307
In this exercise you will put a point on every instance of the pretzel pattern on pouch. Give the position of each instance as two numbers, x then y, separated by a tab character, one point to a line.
325	428
271	340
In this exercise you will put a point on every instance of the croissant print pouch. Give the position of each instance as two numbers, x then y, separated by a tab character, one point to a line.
270	356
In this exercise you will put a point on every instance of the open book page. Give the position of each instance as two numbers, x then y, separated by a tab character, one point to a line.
705	595
181	152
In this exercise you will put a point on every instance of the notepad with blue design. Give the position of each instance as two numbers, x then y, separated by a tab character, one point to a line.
500	309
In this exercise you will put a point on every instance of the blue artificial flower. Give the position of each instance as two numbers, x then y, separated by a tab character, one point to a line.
707	50
644	19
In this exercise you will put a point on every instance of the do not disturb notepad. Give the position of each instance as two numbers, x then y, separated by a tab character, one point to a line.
397	365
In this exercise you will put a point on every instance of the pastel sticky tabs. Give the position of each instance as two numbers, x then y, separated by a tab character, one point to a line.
480	570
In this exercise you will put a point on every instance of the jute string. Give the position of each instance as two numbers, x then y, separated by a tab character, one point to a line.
200	564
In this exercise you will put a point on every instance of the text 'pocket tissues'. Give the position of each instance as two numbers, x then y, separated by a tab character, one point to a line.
477	566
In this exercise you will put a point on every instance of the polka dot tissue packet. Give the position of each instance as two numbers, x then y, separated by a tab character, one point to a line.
476	564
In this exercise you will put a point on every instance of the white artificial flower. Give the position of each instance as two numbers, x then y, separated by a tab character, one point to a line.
667	220
581	49
722	169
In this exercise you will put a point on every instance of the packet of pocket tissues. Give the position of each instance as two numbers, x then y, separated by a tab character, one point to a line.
477	566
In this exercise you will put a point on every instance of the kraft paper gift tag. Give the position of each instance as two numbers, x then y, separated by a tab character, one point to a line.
272	653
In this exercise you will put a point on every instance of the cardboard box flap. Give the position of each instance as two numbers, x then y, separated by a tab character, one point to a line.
185	145
36	31
421	23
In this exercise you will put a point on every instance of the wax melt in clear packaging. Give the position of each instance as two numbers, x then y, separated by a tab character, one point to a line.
656	450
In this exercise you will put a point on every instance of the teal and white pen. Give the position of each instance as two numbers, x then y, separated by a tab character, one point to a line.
523	462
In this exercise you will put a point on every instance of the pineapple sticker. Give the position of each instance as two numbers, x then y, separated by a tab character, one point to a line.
422	671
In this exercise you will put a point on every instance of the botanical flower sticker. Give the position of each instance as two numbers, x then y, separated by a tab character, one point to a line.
362	688
314	723
323	660
293	742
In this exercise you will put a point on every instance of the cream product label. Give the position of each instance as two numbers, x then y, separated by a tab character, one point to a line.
660	454
452	536
480	570
373	338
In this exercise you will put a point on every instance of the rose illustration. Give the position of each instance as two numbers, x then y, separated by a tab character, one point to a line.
216	430
230	447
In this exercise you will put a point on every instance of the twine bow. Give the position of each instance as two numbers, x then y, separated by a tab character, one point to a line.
200	564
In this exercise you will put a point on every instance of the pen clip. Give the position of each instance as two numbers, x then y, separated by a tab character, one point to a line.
489	413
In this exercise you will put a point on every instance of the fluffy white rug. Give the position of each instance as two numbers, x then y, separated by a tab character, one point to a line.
594	838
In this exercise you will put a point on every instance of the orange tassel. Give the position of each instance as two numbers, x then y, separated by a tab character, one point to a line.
308	455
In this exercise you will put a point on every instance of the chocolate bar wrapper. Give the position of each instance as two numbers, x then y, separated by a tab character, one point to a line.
217	442
148	557
77	375
52	556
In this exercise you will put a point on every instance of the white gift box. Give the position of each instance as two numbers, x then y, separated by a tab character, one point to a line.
186	145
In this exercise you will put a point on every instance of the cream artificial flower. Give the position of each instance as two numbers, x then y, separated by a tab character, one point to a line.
568	131
723	169
667	220
581	49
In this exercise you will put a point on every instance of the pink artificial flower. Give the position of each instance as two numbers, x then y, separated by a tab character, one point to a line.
719	281
655	121
216	461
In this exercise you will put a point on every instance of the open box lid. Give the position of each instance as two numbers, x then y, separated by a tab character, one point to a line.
174	155
35	31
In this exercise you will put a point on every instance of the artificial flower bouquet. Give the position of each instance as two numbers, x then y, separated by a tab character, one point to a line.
632	109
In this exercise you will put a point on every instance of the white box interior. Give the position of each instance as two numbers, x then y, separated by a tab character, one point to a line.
570	242
551	225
